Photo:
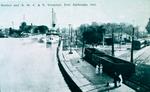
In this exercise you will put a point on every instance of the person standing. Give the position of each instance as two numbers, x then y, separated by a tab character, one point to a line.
121	80
97	70
115	79
101	68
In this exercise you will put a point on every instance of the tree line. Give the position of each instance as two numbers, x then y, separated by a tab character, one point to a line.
94	33
24	29
36	29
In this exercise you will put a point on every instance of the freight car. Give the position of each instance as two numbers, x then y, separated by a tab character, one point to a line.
138	44
110	64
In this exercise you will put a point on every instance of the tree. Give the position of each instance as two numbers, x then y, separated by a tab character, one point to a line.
148	26
35	30
23	26
82	29
42	29
10	31
28	28
92	34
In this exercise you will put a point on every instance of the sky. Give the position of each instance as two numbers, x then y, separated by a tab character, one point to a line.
135	12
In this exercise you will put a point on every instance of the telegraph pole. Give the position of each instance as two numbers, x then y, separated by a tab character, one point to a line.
70	34
83	42
103	39
113	42
76	38
132	45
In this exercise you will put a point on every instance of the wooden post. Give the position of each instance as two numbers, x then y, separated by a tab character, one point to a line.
113	42
132	45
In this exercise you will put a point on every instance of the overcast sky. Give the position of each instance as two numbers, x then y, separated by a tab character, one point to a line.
129	11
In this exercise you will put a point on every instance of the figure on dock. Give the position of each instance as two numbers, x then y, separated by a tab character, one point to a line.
101	68
97	70
117	80
121	80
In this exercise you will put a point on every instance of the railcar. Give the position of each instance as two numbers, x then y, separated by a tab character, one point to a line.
138	44
110	64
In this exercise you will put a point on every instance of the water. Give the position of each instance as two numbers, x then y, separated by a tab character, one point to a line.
28	66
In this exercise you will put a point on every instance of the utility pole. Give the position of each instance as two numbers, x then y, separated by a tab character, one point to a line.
70	34
132	43
113	42
76	38
121	38
83	42
103	38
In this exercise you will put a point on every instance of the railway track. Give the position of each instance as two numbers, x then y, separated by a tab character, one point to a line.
139	87
144	57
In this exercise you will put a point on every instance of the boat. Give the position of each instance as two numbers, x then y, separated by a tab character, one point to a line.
52	35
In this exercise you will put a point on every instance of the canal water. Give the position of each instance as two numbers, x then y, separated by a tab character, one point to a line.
29	66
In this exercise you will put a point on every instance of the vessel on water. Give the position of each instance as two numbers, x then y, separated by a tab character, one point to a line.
52	35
